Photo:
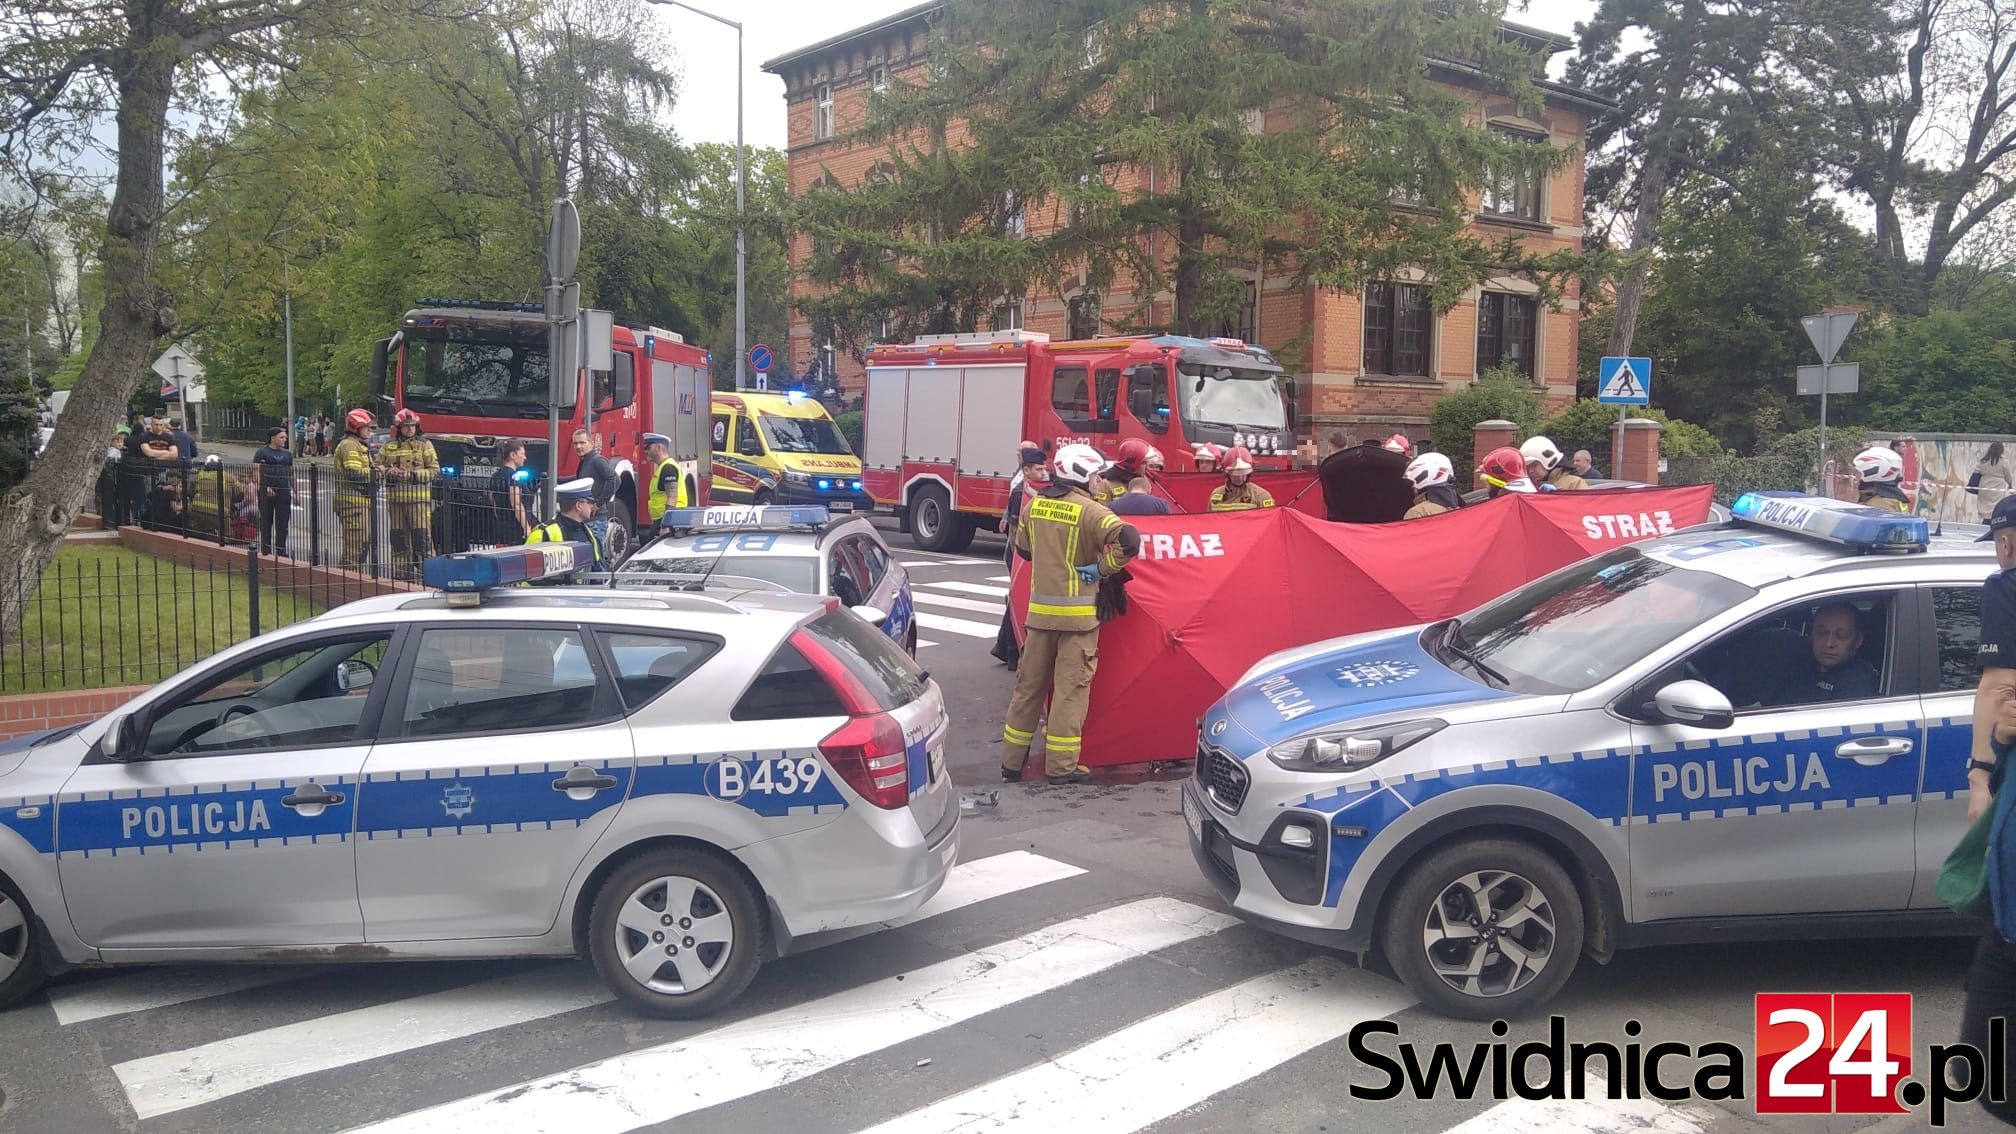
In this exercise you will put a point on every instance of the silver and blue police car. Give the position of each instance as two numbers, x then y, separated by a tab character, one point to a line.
676	785
801	548
1743	730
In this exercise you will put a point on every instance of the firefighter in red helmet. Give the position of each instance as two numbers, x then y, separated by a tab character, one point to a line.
1504	469
1239	493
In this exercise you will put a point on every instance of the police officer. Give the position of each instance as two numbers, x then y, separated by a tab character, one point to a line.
576	499
1546	467
1239	493
1991	979
409	466
1834	670
1072	542
356	476
1881	472
668	487
1430	474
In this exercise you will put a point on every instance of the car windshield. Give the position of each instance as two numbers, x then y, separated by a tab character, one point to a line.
804	435
478	369
792	573
1228	395
1584	623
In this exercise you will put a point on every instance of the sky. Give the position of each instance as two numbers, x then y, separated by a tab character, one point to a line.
705	111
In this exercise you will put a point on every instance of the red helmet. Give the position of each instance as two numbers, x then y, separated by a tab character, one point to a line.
1133	454
1398	443
404	417
359	418
1238	460
1206	451
1504	463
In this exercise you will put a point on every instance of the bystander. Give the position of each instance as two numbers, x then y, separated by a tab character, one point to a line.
276	493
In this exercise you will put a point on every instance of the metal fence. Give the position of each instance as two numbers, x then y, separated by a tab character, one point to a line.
381	527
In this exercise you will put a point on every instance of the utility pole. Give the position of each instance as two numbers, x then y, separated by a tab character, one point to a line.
287	317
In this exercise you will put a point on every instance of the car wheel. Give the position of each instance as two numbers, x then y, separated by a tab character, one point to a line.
931	518
761	498
676	933
963	527
21	972
1486	929
622	534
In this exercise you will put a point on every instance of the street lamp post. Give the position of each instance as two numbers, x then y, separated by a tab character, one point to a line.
287	309
741	203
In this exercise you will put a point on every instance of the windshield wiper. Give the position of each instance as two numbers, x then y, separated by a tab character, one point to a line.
1452	643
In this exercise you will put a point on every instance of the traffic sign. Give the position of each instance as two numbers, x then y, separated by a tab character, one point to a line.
760	358
176	363
1828	332
1624	382
1838	377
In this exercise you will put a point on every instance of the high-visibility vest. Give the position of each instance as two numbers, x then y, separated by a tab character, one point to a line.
656	502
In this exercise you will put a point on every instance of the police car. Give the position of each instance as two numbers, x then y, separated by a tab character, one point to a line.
800	548
1752	729
678	786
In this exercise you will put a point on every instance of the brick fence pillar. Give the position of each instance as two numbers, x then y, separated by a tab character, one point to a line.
1635	455
1486	436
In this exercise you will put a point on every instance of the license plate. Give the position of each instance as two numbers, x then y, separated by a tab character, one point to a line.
1193	816
840	505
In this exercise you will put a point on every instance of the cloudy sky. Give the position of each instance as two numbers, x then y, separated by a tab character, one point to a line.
706	107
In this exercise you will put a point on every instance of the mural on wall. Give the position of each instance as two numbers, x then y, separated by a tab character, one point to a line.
1937	468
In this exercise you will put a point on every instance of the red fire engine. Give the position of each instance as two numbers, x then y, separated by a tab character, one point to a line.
944	414
476	374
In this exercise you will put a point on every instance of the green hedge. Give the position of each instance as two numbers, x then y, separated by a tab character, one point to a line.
1499	394
850	428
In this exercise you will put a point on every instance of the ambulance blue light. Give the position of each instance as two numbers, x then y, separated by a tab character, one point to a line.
470	573
794	396
448	470
1834	521
771	516
824	483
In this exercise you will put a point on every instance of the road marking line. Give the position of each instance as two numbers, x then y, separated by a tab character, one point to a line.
1593	1114
926	598
968	588
999	579
176	1080
158	988
1172	1061
661	1083
957	625
923	642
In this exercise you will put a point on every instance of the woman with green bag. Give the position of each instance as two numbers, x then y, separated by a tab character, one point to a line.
1991	979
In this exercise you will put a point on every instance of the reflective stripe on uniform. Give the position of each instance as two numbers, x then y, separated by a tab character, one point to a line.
1064	743
1014	735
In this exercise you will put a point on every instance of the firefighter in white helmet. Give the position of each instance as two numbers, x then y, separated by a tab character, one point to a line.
1547	467
1239	493
1431	474
1880	472
1073	542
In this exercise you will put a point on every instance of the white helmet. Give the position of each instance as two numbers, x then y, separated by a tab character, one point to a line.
1077	464
1879	466
1541	451
1429	470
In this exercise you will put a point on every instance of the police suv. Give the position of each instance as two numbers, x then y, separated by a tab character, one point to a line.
1751	729
676	785
802	548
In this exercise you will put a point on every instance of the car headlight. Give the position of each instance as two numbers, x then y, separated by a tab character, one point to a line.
793	476
1347	750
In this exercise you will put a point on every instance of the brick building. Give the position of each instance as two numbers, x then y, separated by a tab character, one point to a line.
1377	360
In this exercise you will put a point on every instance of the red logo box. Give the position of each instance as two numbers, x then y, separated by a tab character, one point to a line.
1832	1053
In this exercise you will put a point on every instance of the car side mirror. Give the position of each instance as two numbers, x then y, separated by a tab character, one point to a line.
354	676
750	449
123	742
1694	703
874	615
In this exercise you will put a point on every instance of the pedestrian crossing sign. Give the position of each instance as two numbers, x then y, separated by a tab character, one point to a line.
1624	382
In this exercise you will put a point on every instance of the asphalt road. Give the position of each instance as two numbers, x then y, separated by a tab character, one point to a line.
1076	974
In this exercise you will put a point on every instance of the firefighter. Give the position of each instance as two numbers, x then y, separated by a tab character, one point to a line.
576	501
409	467
355	480
668	486
1430	474
1239	493
1133	458
1398	443
1207	456
1072	542
1546	467
1880	472
1154	462
1504	469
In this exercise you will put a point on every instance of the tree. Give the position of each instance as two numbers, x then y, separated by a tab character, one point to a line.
1945	372
1500	395
706	220
1589	424
1137	147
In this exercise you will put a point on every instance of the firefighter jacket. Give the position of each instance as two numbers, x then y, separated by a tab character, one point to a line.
1564	481
1433	501
353	469
410	466
1229	497
1424	507
1063	529
1886	496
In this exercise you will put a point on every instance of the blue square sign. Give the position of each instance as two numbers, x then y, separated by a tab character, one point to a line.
1624	382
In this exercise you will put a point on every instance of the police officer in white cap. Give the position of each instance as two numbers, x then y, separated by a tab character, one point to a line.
577	507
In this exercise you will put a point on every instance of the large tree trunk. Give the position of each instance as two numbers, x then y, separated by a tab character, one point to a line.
37	513
1189	269
1644	234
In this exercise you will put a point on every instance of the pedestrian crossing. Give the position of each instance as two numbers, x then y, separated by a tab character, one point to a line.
958	607
1054	997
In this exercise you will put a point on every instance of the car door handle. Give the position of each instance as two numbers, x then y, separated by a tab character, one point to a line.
312	795
582	783
1874	749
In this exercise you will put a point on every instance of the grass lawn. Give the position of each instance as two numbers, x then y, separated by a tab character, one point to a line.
104	615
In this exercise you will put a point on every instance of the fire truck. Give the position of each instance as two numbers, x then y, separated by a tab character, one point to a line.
476	373
944	414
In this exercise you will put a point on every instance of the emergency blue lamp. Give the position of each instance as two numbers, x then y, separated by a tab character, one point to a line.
794	396
463	577
770	516
1856	526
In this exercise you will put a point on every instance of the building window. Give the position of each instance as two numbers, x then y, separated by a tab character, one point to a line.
1095	48
1244	324
1006	316
878	78
822	114
1081	316
1254	118
1514	191
1505	327
1014	220
1399	330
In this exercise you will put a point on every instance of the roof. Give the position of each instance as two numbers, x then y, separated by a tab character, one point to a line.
563	603
884	24
781	404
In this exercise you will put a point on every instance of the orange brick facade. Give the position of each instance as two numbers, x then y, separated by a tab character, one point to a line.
1324	325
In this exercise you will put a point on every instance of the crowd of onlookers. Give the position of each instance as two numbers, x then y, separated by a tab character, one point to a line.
154	478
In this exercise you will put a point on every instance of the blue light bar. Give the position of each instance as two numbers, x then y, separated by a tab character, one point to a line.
473	572
1835	521
794	396
771	516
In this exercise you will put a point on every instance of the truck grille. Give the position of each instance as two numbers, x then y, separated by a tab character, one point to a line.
1223	777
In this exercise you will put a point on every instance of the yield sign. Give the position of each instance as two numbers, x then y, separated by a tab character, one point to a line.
177	363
